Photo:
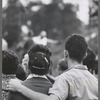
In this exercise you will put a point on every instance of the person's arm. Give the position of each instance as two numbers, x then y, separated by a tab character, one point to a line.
52	41
15	85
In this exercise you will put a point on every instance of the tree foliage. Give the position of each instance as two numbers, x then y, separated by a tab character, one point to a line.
58	19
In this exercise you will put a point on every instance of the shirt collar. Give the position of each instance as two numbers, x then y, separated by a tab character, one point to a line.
81	67
34	75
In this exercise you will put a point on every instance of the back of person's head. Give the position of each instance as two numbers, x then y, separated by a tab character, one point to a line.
20	73
76	46
39	59
9	62
62	65
90	59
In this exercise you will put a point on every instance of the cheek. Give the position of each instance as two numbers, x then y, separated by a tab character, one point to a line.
26	58
24	64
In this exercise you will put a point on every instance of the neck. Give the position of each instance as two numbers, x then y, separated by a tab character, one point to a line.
73	63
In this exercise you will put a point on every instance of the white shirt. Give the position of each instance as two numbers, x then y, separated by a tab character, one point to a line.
76	83
34	75
4	44
39	40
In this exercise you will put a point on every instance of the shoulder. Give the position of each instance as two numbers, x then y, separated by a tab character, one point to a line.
27	82
62	77
36	80
67	76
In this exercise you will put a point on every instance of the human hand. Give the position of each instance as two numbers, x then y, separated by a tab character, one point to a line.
14	85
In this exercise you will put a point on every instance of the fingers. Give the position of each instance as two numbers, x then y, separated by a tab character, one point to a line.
14	85
11	88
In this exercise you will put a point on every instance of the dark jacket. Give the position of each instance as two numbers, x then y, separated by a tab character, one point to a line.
37	84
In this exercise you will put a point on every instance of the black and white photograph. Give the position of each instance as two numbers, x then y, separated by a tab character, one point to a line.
50	49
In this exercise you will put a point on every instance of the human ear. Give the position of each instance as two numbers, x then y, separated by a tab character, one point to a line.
66	54
85	55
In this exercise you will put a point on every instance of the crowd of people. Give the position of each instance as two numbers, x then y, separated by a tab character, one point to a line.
31	80
31	38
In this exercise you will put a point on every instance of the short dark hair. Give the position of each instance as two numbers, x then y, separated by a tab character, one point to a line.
76	46
89	61
39	59
9	62
20	73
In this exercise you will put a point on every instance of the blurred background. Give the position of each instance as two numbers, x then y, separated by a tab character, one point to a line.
23	19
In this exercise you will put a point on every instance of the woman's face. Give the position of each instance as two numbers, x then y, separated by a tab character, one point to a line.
25	61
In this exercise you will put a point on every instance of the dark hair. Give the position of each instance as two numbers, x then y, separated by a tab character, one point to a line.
39	59
76	46
62	65
20	73
9	62
90	59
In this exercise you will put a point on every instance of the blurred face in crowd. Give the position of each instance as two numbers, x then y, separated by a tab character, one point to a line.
25	61
62	66
59	70
43	34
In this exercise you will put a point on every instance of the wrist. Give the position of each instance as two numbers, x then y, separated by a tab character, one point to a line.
20	88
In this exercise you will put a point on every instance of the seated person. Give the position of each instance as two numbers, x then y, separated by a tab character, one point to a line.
38	65
62	66
9	67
